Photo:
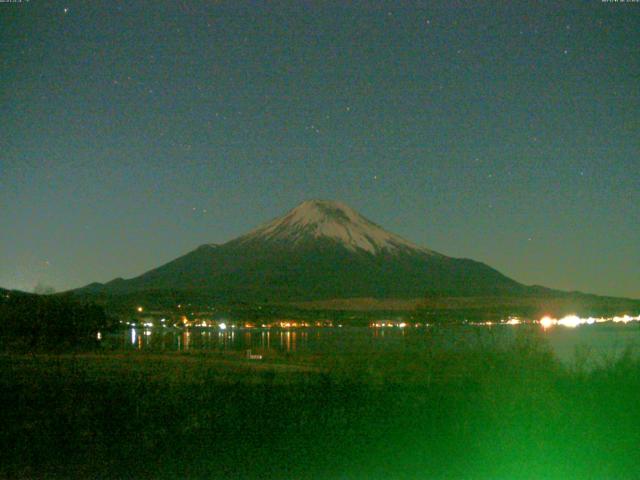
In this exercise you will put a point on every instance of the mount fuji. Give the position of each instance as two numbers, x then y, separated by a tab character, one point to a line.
319	250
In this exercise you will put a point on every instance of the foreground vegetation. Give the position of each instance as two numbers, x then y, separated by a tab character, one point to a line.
492	410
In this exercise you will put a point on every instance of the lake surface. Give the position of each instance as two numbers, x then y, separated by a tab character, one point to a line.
599	341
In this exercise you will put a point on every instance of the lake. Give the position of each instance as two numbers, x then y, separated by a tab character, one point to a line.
599	341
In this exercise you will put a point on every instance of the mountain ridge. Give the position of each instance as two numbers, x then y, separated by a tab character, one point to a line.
318	250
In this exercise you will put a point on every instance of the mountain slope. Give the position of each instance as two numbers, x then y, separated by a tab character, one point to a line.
318	250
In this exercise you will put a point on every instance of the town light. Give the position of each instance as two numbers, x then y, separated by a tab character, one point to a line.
570	321
547	322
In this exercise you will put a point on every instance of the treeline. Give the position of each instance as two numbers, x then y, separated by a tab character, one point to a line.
52	322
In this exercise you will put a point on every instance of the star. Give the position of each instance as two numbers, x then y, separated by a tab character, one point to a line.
65	10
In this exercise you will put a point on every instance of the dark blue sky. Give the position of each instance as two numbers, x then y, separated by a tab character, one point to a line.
134	131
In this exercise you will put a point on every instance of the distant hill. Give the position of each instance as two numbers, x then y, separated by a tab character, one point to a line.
6	293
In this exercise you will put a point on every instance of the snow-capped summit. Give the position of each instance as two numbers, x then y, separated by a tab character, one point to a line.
316	219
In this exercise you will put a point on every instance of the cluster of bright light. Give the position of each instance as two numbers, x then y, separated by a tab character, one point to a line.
547	322
626	319
573	321
390	323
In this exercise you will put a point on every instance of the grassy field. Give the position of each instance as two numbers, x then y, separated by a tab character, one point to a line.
498	410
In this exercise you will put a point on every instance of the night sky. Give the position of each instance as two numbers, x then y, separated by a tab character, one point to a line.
506	132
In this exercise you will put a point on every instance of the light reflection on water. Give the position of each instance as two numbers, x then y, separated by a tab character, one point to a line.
207	339
600	339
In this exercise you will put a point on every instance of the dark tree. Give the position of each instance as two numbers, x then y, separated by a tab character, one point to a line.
34	322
